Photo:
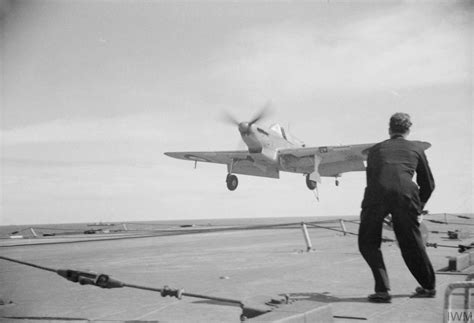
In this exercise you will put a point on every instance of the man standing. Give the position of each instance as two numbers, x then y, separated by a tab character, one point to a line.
390	189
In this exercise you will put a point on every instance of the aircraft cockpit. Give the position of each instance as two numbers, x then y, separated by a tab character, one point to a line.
279	130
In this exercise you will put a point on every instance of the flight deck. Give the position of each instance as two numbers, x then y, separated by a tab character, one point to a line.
267	267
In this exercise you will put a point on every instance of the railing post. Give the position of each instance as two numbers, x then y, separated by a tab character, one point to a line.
33	232
343	226
447	297
309	247
467	293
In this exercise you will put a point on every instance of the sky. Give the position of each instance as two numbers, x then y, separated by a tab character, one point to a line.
94	92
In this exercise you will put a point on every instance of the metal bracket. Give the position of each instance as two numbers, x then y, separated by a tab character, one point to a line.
230	166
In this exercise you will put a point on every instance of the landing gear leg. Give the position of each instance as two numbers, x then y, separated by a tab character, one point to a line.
232	182
310	184
336	181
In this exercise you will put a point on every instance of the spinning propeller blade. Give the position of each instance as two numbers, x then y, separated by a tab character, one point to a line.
264	112
228	118
245	126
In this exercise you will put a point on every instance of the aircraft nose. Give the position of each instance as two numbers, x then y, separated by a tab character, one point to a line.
243	127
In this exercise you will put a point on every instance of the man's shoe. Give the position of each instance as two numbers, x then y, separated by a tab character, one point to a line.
380	297
421	292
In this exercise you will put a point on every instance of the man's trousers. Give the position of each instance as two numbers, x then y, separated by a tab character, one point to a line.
406	228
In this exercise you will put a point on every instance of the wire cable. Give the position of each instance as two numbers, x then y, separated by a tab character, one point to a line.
105	281
28	264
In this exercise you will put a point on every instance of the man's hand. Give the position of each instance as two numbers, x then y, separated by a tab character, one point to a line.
422	206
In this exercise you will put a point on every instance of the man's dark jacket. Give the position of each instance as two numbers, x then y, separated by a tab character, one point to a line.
391	165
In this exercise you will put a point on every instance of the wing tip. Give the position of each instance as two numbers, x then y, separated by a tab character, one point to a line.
171	154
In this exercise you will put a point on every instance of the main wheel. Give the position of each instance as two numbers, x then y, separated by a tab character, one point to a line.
310	184
232	182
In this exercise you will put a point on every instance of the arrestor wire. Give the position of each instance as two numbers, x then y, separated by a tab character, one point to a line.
104	281
28	264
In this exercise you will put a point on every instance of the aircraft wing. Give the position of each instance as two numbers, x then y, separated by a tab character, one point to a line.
218	157
331	160
334	152
238	162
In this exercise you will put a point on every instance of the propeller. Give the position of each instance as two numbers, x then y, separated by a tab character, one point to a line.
264	112
244	127
228	118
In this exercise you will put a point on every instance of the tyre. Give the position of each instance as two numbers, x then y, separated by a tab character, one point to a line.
232	182
310	184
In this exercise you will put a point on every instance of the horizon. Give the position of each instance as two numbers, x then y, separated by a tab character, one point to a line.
180	220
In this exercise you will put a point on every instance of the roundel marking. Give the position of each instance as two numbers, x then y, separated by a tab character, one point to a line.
196	158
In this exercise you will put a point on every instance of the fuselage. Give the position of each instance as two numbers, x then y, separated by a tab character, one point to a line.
264	143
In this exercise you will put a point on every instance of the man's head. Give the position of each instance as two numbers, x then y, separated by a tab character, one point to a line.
399	124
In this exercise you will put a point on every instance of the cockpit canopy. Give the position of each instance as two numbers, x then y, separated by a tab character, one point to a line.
279	130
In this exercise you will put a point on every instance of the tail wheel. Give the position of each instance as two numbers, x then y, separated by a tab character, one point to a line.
310	184
232	182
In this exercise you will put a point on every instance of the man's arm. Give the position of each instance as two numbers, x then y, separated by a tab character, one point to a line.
424	178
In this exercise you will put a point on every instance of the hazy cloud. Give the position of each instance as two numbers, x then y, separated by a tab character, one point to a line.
407	46
126	128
